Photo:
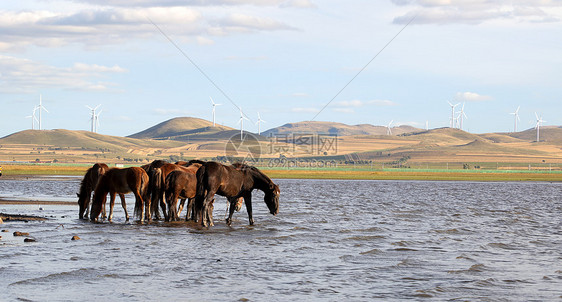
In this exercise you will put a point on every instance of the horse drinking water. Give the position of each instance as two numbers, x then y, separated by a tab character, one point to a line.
121	181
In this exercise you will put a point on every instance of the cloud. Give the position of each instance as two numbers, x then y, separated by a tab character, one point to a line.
471	97
479	11
152	3
246	23
24	76
115	25
344	110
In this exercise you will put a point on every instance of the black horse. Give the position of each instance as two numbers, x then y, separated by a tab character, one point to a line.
238	180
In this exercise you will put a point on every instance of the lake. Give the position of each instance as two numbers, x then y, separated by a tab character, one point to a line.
332	240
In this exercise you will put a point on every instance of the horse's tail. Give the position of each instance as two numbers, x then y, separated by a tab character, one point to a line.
201	181
143	191
200	191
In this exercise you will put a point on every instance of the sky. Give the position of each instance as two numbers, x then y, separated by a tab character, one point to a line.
353	62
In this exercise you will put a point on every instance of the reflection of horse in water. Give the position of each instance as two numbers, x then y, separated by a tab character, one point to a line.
121	181
87	186
234	181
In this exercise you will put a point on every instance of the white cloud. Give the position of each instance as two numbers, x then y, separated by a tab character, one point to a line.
115	25
298	3
471	97
23	75
246	23
344	110
479	11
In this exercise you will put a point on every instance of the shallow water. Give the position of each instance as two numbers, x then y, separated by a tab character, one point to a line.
332	240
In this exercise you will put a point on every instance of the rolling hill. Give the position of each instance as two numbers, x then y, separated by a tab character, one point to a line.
86	140
189	137
339	129
181	128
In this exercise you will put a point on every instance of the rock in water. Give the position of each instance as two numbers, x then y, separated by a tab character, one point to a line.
16	233
75	238
29	240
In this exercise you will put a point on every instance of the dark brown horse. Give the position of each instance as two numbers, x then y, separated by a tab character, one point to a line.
164	171
154	178
183	185
122	181
233	182
87	186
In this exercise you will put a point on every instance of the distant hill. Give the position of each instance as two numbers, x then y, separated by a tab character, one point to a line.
339	129
547	134
62	138
179	127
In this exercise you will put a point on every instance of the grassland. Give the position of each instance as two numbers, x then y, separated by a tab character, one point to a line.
18	170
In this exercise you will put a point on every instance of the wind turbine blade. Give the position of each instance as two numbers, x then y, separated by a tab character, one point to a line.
212	102
89	107
517	111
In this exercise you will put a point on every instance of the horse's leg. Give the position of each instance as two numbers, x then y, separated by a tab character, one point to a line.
205	221
87	205
232	208
171	202
248	201
111	204
124	205
180	208
190	214
163	206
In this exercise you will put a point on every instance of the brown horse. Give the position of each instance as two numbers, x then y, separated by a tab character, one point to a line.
87	186
154	178
233	182
122	181
160	186
183	185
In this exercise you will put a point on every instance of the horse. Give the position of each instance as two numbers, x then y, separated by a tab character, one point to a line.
160	187
183	185
87	186
122	181
233	182
154	178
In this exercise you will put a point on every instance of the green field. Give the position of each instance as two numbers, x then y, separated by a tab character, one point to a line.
342	172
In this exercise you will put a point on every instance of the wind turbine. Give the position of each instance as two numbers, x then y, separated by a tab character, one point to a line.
97	116
453	114
259	123
33	118
461	117
241	121
388	131
516	117
40	107
538	125
214	105
94	116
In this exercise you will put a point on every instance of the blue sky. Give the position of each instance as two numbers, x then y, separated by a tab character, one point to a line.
283	58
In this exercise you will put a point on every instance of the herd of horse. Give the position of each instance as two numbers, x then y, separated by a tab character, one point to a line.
162	184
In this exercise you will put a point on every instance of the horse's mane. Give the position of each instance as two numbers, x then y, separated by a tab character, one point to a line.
252	170
86	184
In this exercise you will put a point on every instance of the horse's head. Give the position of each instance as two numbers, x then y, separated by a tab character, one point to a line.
271	198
